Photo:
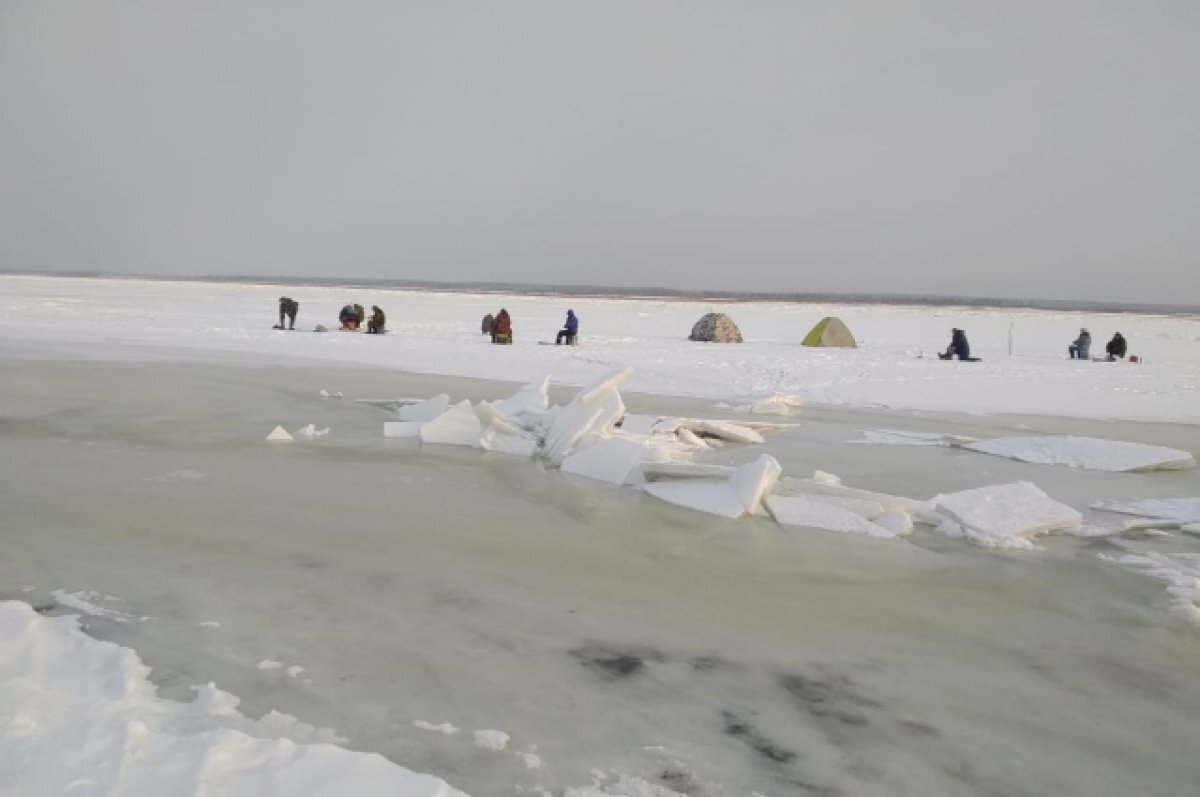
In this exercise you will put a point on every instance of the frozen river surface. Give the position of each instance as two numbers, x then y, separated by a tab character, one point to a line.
609	635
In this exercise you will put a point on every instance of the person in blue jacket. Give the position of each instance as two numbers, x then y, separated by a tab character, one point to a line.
569	330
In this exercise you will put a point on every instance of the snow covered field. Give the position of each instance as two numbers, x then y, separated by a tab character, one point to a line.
515	629
438	333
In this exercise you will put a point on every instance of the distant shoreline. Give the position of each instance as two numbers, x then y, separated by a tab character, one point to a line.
651	294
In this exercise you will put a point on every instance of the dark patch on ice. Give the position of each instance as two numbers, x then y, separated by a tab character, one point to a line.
920	729
45	608
746	733
706	663
614	665
829	698
679	781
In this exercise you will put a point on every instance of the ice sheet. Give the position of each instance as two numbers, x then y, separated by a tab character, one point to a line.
1007	515
425	410
704	495
1089	453
614	461
65	692
1180	510
457	426
814	513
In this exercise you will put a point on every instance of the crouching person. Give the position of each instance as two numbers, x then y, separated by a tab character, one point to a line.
569	331
377	321
1082	347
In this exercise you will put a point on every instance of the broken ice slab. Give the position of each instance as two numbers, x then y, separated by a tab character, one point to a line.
501	420
457	426
402	429
614	461
635	423
901	437
279	435
312	431
1006	515
897	522
570	424
1088	453
704	495
425	410
609	381
724	430
534	397
792	486
814	513
672	469
502	443
1182	510
751	482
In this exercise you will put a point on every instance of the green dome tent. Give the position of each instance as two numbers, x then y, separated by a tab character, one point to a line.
831	332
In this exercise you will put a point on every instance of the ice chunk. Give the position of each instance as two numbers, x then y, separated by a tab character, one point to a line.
751	482
444	728
1183	510
1089	453
901	437
778	404
425	410
491	740
312	431
502	422
724	430
609	381
457	426
614	461
684	470
862	507
279	435
570	423
639	424
897	522
688	437
790	486
1007	515
821	477
705	495
534	397
402	428
814	513
501	443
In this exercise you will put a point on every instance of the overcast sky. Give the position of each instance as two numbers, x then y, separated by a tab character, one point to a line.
1027	149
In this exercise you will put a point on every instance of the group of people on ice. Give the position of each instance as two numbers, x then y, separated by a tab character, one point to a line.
499	326
351	317
1081	347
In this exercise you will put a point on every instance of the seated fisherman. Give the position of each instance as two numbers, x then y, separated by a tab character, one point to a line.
502	327
1116	347
569	330
375	325
959	347
1082	346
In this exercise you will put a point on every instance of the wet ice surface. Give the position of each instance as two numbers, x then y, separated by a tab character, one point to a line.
596	627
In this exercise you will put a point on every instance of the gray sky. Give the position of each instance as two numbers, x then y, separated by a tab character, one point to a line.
1047	149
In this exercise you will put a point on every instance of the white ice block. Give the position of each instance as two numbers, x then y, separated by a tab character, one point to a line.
534	397
1007	515
751	482
279	435
813	513
688	437
1183	510
614	461
570	423
425	410
633	423
724	430
704	495
457	426
685	470
502	443
402	428
897	522
609	381
1089	453
790	486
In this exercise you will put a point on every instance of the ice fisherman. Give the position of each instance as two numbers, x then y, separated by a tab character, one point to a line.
1082	347
569	331
502	327
959	347
377	321
486	326
351	316
287	309
1116	347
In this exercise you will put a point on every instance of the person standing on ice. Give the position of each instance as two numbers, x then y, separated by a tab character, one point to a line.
288	308
1116	347
1082	346
569	330
377	321
502	327
959	347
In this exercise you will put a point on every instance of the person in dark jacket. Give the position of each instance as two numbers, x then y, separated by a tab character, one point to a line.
288	308
349	317
377	322
569	330
1117	347
502	327
1082	346
959	347
486	326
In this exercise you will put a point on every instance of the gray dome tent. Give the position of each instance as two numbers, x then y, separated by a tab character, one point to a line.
716	328
831	332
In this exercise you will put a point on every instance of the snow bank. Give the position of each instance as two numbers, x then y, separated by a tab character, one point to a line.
1089	453
1006	515
82	718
